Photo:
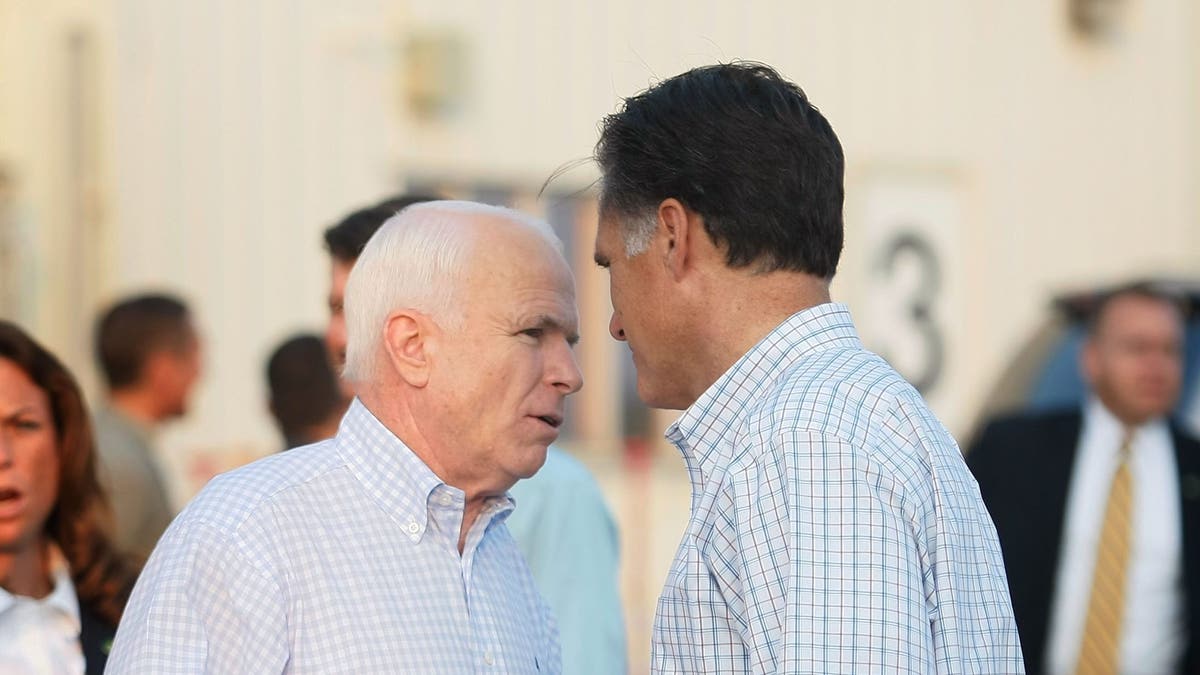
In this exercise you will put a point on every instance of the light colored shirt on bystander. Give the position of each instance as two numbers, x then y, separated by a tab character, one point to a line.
41	635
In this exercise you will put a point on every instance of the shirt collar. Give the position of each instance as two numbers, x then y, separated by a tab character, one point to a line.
702	430
62	597
402	484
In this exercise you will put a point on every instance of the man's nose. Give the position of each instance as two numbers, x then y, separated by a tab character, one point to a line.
615	329
565	371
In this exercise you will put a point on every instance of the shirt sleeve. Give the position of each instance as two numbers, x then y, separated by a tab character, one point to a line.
849	563
201	606
827	572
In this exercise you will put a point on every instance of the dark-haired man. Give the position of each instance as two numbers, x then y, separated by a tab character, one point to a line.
149	354
562	525
834	526
345	242
1098	507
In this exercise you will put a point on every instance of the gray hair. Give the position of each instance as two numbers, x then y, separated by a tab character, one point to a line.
414	261
638	232
636	228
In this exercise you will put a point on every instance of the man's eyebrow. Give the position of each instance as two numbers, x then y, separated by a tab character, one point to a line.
548	322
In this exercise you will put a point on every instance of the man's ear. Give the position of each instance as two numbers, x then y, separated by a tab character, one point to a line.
406	341
155	368
679	227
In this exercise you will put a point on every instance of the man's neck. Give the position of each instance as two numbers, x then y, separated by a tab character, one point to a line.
138	405
400	419
735	322
1123	418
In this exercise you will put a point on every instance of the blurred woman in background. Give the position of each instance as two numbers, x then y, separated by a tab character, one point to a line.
62	586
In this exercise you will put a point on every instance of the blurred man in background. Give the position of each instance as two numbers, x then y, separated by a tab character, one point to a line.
149	354
345	242
562	524
834	525
384	549
1098	509
306	396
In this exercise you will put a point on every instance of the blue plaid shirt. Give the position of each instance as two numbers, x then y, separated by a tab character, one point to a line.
834	525
339	557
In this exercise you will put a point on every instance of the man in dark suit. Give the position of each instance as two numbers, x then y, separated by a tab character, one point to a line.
1098	509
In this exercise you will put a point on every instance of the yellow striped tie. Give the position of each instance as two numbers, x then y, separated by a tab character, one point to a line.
1100	650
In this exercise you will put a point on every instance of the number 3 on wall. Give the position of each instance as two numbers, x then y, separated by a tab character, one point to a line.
925	371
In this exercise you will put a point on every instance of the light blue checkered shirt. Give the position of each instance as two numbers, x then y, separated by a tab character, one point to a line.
834	527
339	557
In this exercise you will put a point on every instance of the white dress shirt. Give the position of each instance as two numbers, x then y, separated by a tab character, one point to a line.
41	636
338	557
834	528
1153	630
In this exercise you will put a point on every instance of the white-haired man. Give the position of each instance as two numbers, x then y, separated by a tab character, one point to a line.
384	549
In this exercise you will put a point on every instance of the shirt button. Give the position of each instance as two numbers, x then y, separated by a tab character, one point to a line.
413	528
489	659
447	499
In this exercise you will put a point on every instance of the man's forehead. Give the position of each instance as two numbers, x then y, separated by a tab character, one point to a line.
1131	309
607	230
1136	321
523	284
606	225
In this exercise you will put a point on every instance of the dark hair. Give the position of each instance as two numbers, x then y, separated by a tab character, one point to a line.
103	578
133	329
304	387
743	148
347	239
1138	289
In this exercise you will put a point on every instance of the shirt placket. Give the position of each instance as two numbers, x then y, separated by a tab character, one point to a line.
483	626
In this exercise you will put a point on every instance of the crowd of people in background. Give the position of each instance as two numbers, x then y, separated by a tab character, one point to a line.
419	518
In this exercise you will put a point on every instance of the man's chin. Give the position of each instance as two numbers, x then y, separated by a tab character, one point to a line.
533	464
656	397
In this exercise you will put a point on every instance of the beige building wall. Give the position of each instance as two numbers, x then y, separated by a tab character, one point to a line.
55	174
202	148
1046	160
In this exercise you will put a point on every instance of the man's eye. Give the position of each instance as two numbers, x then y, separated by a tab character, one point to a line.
533	332
28	425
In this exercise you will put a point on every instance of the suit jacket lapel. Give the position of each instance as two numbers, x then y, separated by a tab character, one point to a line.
1047	521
